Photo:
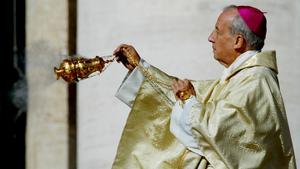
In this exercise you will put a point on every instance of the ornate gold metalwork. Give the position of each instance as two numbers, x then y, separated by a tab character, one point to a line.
183	95
78	68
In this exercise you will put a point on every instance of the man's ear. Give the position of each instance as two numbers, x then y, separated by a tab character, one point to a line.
239	42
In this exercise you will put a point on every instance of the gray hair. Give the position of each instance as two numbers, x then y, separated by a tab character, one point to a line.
238	26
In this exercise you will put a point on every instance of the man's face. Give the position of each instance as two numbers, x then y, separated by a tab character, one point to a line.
222	40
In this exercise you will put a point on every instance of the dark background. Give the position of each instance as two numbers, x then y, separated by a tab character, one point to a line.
12	68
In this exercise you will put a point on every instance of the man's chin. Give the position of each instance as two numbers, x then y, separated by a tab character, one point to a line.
220	61
224	64
216	57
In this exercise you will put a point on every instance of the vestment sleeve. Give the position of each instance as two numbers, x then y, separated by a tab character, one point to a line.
131	84
145	72
180	123
133	81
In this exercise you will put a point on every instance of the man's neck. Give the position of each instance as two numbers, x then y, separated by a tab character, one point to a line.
237	62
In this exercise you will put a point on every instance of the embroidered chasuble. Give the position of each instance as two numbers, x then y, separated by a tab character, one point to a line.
239	123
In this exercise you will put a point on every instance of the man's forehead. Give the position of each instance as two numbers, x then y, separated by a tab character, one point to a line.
226	17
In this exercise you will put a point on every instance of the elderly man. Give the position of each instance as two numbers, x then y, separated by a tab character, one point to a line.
237	121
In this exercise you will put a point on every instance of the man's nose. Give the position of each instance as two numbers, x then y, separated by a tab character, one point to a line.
211	38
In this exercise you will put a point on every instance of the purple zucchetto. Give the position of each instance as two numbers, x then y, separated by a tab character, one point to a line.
254	19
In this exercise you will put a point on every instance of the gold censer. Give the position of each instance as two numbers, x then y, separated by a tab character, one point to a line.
78	68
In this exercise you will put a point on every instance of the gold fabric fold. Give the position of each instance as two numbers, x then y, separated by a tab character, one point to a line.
242	123
146	141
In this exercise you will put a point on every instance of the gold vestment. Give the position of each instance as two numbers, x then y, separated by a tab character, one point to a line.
242	123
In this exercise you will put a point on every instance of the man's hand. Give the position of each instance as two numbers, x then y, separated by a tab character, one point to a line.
128	56
183	89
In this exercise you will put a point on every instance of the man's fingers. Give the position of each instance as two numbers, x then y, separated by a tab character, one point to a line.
119	48
182	84
178	85
186	82
116	51
127	55
175	86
